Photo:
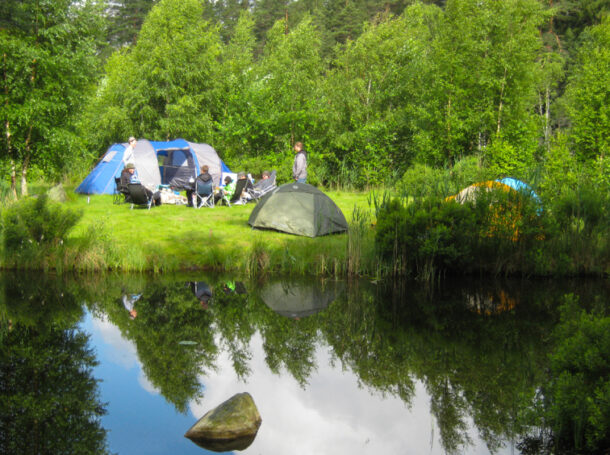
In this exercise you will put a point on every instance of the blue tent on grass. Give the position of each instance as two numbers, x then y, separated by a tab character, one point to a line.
171	163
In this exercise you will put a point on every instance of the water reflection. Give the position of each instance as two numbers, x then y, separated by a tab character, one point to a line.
333	367
49	401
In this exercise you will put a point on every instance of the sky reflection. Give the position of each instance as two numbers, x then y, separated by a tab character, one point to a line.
333	414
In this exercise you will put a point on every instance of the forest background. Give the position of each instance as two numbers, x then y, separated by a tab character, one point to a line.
373	88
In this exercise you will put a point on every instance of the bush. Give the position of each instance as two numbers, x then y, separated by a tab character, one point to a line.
499	232
34	226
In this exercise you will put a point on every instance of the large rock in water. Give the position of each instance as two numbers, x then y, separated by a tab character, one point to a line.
232	425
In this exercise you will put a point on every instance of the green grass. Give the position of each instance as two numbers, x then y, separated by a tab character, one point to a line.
170	237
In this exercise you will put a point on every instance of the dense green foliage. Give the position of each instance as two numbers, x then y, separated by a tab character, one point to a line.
498	233
48	63
371	87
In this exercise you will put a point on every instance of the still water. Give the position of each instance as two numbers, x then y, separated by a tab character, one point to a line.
126	364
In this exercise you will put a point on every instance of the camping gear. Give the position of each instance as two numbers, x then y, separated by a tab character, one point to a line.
298	299
171	163
298	208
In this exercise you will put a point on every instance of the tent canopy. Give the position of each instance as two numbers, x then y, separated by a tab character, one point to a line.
171	163
506	184
298	208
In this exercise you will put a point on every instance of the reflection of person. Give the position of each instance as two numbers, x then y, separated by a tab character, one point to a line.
299	168
128	155
236	287
202	291
204	185
129	302
227	191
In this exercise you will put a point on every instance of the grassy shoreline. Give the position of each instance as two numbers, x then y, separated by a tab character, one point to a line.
176	238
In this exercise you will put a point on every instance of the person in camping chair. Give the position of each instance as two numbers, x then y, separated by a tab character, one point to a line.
227	191
129	175
204	185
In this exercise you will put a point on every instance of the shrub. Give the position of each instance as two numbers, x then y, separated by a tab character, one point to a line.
34	226
498	232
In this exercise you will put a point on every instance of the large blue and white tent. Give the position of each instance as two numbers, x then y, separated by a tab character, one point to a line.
171	163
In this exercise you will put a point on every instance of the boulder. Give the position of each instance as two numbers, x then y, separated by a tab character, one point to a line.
231	425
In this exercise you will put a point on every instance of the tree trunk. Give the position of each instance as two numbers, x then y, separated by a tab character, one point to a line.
547	118
7	124
26	164
13	178
501	101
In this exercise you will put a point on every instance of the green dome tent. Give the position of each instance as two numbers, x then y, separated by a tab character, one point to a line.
298	208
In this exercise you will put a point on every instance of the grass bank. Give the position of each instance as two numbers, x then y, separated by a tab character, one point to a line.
172	238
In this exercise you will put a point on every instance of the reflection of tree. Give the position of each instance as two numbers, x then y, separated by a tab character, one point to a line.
233	316
473	365
48	399
173	338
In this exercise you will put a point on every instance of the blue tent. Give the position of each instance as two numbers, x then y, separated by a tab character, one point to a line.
171	163
520	186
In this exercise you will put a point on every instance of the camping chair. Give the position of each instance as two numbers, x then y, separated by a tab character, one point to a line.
139	195
262	187
204	195
121	194
240	186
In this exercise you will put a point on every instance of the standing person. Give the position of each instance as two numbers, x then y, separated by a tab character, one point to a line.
128	155
299	168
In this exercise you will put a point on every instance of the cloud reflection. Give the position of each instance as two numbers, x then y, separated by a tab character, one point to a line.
122	352
334	414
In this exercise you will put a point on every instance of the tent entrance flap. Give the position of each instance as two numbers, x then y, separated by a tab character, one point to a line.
179	167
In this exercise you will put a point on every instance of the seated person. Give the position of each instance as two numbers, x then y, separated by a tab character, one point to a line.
263	182
128	175
227	191
204	185
246	186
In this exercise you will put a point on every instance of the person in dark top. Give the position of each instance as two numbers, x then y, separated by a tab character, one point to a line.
128	175
204	185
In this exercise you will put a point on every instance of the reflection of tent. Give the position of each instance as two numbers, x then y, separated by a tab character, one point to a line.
298	299
170	163
298	208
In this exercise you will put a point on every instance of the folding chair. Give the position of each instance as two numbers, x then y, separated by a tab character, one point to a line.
121	194
263	187
204	195
139	196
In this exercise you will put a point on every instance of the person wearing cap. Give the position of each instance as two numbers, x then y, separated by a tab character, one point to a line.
128	155
128	175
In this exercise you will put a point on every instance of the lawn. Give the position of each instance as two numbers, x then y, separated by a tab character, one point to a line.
172	237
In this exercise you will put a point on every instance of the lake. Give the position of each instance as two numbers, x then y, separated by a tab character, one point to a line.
127	363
